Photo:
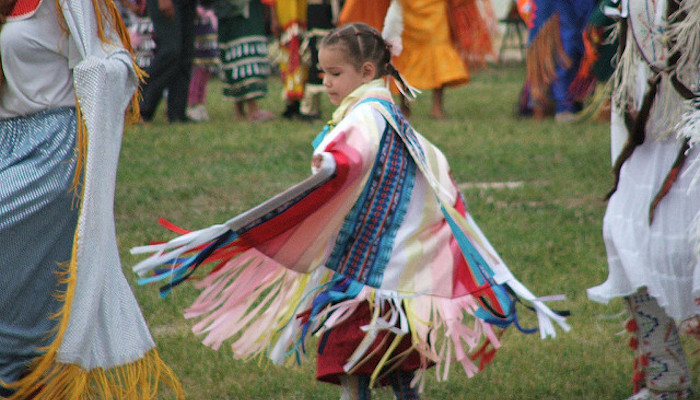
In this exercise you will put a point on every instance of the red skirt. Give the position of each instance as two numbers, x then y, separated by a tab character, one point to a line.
338	344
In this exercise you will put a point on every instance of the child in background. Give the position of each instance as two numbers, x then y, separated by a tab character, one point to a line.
206	58
375	252
244	56
321	17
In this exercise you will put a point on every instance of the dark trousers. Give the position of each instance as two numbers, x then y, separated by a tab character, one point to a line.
172	60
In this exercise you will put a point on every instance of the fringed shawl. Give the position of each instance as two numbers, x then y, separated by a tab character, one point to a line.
381	221
103	348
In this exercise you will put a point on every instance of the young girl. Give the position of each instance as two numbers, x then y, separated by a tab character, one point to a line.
374	253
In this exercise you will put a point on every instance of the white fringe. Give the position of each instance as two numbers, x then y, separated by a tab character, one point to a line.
694	231
668	108
686	35
625	76
689	125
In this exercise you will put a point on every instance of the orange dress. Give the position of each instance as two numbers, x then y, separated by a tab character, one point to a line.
429	59
359	11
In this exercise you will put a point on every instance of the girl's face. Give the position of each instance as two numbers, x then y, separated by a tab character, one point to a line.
340	77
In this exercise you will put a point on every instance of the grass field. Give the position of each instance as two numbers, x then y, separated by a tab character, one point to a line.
546	225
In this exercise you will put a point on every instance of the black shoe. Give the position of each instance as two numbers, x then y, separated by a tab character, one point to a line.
182	120
146	117
292	110
309	117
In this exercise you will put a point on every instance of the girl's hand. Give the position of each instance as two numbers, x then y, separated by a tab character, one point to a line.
317	161
322	161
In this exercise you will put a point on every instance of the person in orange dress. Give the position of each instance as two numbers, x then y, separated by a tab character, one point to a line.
433	40
359	11
429	61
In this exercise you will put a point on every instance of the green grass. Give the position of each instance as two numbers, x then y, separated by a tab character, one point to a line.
548	230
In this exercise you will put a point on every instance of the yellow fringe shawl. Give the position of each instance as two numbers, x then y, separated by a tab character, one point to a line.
50	379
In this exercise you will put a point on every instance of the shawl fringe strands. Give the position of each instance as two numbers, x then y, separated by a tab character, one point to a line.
256	303
544	53
599	103
50	378
687	43
268	298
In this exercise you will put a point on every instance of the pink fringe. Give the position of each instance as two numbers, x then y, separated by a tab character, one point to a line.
248	297
228	299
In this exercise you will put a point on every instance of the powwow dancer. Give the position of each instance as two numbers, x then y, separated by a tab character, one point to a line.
70	327
204	63
375	252
289	24
428	55
651	248
321	17
555	49
244	56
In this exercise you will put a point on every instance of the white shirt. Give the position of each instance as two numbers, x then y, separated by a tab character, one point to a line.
37	60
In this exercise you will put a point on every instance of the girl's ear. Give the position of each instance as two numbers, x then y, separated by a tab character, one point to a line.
368	71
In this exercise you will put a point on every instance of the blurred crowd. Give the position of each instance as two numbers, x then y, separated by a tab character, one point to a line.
437	44
243	42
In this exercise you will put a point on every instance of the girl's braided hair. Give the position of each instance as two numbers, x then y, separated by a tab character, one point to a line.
362	43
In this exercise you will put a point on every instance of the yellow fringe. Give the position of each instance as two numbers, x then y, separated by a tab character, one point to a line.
138	380
543	55
81	143
383	361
